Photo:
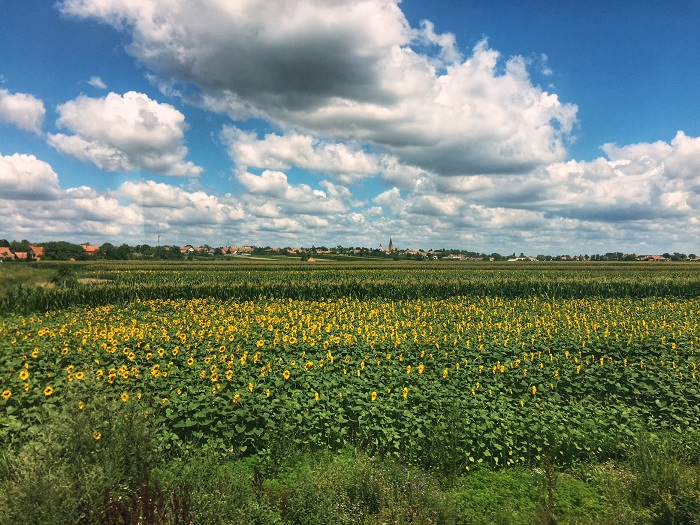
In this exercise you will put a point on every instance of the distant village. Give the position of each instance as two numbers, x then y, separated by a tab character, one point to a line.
24	251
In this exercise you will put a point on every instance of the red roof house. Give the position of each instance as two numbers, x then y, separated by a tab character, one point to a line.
36	253
91	250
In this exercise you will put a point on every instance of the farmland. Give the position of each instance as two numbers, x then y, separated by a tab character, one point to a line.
445	368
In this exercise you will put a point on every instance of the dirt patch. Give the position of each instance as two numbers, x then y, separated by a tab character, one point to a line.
92	280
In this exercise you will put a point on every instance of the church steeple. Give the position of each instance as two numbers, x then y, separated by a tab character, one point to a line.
391	245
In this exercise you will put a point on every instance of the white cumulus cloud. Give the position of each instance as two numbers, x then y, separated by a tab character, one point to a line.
272	192
22	110
125	133
24	177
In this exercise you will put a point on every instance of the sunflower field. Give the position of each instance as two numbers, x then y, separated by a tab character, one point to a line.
445	368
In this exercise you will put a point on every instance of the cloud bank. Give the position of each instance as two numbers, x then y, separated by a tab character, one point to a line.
638	196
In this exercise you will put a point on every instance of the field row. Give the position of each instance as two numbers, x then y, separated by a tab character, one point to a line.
124	283
453	382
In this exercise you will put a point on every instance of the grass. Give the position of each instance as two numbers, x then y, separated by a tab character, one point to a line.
60	473
14	274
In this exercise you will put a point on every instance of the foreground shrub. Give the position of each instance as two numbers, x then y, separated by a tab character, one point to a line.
70	458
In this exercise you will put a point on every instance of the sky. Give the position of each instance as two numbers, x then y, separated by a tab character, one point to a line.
543	127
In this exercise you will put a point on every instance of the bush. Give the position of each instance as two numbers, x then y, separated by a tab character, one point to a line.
71	458
65	277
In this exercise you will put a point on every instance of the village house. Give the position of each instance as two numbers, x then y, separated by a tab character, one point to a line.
6	253
236	250
36	253
90	249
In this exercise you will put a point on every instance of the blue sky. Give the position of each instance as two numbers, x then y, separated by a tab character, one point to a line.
541	127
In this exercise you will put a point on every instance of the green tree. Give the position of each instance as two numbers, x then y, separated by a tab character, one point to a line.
168	253
63	251
144	250
20	246
106	251
123	252
65	277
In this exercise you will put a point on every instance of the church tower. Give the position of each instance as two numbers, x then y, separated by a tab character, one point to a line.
391	245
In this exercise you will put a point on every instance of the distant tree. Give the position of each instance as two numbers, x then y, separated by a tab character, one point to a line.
4	243
106	251
20	246
168	253
65	277
144	250
218	252
123	252
64	251
496	256
111	252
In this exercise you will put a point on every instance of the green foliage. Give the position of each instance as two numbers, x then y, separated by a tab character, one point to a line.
65	277
63	251
221	491
249	279
664	483
58	469
20	246
448	384
656	482
28	276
